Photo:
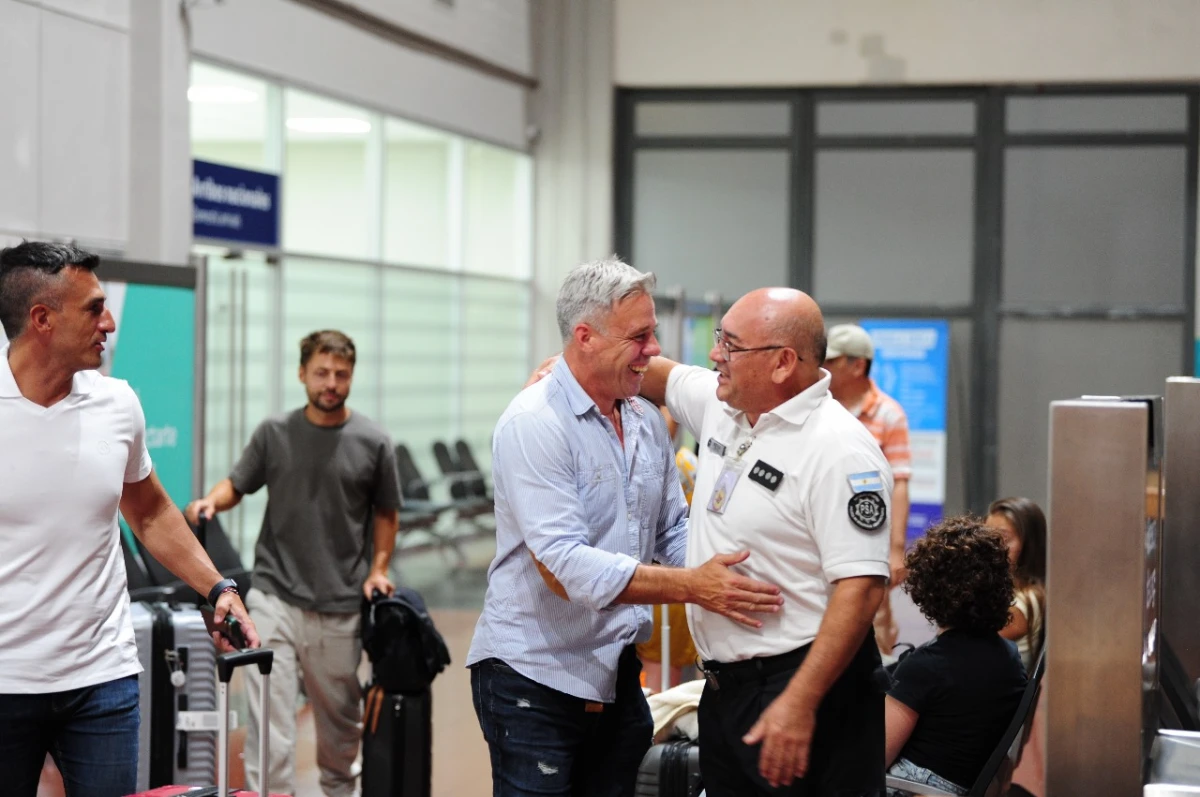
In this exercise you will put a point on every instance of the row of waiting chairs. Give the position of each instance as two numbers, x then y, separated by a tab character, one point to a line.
469	511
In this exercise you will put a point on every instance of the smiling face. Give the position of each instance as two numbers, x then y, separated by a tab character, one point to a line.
746	359
620	347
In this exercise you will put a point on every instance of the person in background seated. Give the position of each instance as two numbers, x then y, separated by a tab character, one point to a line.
683	649
1022	526
952	699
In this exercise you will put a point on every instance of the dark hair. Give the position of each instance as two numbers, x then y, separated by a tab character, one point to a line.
29	275
805	334
1030	525
958	576
327	341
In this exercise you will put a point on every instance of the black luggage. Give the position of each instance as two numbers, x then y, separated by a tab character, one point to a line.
150	580
397	749
670	769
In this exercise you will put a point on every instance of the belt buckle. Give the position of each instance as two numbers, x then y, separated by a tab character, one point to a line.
711	677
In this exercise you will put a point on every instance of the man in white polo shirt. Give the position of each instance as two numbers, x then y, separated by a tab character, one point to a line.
72	451
787	473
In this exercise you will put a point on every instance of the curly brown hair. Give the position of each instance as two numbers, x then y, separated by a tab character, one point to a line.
958	576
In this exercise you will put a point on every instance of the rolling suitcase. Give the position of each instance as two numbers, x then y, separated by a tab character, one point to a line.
226	663
183	706
397	747
670	769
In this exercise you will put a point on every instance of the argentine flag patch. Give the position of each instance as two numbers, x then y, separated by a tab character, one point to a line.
866	482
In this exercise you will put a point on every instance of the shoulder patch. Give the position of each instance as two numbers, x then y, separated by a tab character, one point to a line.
870	481
867	511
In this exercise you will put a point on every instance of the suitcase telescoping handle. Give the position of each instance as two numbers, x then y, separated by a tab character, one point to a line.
226	664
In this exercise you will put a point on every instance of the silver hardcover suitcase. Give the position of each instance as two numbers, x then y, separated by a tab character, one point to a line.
182	719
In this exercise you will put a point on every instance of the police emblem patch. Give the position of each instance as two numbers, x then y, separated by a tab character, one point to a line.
868	511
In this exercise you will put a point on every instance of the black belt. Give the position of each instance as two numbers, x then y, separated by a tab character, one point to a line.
727	675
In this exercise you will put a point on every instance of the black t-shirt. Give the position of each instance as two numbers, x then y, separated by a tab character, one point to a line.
965	687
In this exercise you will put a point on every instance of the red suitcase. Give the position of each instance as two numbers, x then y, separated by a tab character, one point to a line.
226	664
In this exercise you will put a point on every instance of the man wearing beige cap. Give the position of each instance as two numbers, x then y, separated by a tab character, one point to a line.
848	357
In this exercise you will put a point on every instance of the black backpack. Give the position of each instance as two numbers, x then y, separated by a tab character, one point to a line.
404	646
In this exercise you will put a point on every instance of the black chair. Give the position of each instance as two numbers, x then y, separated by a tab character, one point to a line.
423	521
472	475
150	580
461	480
994	778
415	488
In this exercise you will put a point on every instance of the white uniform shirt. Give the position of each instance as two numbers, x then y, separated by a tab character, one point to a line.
64	608
802	535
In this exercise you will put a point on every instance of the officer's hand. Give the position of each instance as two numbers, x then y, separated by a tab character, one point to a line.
199	507
378	581
716	588
230	603
543	370
785	730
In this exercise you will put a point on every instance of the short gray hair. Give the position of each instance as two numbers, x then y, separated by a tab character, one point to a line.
592	290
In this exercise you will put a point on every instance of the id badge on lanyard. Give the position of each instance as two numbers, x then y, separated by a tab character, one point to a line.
731	472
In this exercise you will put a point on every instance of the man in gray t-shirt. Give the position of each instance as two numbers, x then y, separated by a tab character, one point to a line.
333	498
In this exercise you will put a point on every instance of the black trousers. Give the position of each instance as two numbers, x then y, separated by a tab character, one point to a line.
847	751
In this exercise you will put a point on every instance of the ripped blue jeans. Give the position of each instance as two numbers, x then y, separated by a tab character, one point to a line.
544	742
903	768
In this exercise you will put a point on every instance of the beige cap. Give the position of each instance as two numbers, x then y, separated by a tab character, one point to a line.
849	340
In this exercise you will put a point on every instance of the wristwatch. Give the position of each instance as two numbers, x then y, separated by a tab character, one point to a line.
221	587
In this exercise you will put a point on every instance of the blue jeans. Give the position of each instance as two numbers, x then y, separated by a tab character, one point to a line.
92	733
903	768
544	742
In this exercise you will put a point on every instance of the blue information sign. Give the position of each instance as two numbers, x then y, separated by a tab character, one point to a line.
912	365
233	204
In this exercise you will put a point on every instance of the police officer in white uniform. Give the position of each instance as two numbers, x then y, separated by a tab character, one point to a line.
787	473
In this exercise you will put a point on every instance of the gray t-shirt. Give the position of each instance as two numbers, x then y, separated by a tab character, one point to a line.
324	485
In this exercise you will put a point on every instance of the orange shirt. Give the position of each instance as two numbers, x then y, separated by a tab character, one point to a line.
885	420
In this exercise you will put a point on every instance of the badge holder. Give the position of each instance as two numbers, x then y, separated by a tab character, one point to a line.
722	492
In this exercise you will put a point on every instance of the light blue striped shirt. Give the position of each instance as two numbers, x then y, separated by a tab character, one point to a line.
590	511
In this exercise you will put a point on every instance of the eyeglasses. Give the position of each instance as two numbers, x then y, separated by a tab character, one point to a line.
728	350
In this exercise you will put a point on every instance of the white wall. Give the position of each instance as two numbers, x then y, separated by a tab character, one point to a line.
64	131
494	30
573	111
331	57
851	42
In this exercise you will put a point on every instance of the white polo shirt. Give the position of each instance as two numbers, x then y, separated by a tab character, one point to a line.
64	608
811	504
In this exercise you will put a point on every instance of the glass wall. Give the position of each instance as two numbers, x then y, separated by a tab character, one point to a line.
230	118
1054	229
414	241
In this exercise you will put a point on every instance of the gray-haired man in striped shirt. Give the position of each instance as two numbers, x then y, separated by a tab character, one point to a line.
587	496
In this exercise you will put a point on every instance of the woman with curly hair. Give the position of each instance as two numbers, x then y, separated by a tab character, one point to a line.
952	698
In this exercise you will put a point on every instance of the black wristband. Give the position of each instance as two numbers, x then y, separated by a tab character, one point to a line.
224	585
